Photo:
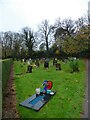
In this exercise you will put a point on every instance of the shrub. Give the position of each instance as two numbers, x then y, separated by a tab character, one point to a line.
74	66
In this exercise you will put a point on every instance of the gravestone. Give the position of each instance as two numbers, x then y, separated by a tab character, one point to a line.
58	66
29	68
24	60
54	62
28	62
46	64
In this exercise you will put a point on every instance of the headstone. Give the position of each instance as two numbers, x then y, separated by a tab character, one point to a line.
24	60
54	62
46	64
28	62
58	66
29	68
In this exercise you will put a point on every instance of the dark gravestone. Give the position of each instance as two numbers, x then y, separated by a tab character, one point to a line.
25	60
58	66
46	64
29	68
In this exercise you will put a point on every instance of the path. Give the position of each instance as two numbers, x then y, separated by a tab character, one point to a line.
9	103
85	106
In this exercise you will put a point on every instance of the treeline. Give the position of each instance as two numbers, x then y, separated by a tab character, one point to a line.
64	38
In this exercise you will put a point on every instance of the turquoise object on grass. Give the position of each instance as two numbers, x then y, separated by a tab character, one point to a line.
48	91
41	90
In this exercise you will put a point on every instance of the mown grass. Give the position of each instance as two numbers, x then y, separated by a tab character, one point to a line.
70	88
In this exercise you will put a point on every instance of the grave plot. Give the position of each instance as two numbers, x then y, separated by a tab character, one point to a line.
37	102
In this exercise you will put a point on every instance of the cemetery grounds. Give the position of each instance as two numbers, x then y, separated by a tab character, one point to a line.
69	87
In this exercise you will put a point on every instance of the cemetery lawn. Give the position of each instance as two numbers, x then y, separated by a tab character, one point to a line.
69	87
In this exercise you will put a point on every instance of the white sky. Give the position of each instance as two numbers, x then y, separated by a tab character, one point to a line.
16	14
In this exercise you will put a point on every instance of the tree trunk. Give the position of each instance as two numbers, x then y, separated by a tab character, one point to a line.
46	38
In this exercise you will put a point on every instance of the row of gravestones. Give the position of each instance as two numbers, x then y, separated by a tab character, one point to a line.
73	64
30	66
57	65
46	63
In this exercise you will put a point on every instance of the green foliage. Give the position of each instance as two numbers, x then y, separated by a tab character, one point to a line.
29	40
83	38
70	90
70	45
74	66
6	65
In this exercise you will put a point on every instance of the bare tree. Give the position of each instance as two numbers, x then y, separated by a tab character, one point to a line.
42	47
7	39
69	26
81	22
45	33
17	44
64	28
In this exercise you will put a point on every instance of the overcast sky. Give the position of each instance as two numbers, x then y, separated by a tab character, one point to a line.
16	14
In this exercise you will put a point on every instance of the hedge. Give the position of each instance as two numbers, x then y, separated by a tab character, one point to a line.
6	66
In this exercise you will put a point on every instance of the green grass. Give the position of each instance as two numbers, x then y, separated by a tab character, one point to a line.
70	88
